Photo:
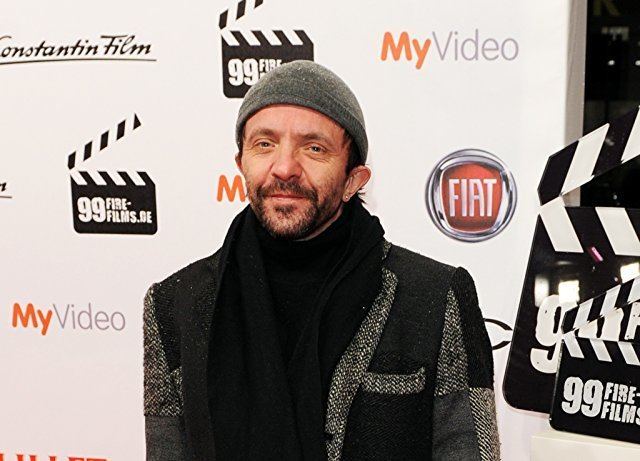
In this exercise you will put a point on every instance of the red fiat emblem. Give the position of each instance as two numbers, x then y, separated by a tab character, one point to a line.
471	195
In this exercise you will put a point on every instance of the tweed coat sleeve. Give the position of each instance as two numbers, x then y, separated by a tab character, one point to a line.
464	417
164	425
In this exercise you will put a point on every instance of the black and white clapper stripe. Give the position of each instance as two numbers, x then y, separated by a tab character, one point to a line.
105	139
112	178
266	39
580	340
602	305
237	12
592	155
602	350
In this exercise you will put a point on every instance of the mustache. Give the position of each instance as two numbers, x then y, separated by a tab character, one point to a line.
292	187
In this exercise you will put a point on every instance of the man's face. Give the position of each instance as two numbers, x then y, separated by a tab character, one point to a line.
294	162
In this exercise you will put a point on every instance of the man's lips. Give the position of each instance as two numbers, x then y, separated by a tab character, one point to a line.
286	196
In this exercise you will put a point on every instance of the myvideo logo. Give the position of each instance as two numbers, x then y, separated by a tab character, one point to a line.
65	317
451	46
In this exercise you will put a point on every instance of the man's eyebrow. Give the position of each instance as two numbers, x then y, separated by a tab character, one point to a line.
261	132
307	136
314	136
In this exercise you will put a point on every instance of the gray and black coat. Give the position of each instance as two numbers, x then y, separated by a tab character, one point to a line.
415	383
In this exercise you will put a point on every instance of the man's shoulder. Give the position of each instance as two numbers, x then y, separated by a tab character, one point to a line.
191	275
414	267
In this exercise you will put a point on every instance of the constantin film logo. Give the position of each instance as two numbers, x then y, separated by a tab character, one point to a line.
471	195
247	56
105	48
111	202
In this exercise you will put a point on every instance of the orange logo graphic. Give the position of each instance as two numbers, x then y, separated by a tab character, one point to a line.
228	191
30	316
404	45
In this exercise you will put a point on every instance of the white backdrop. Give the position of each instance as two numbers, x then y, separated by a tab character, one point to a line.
78	391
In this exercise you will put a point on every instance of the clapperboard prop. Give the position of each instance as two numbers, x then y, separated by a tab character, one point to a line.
597	387
111	202
578	250
246	56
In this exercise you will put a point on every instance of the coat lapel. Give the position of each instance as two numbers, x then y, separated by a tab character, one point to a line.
349	373
200	299
196	327
196	335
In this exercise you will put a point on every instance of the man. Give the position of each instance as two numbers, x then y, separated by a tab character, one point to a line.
308	335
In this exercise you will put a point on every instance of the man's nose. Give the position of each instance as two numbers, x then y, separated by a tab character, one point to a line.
286	165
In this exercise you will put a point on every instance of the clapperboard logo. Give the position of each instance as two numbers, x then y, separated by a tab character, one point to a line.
247	56
577	253
111	202
597	387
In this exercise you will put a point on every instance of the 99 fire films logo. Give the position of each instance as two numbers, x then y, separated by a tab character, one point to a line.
247	56
471	196
112	202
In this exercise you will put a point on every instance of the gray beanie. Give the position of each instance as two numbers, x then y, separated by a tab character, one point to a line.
308	84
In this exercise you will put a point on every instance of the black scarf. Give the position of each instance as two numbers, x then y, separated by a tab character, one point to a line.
262	408
296	270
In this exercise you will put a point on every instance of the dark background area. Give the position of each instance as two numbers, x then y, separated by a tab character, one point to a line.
612	88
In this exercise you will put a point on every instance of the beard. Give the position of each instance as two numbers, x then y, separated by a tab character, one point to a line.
297	220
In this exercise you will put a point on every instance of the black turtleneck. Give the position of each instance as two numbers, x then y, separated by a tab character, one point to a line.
296	271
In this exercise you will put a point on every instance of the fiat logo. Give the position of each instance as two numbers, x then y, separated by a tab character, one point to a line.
471	196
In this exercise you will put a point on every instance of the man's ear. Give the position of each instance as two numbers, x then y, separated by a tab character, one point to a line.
239	161
358	178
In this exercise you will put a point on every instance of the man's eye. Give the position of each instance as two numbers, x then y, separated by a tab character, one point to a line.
316	149
264	144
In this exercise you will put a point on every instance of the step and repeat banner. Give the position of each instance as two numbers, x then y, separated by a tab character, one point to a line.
117	168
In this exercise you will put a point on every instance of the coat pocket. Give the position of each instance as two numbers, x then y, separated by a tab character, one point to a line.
395	384
388	419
